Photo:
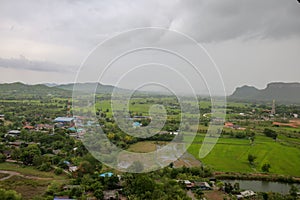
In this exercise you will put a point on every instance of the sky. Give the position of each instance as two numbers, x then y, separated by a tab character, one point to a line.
252	42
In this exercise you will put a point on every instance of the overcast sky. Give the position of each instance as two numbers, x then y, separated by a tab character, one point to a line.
253	42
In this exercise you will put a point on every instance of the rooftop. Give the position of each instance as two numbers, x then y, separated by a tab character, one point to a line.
64	119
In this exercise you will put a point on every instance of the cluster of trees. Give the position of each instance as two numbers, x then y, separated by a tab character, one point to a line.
232	189
161	184
265	167
9	195
240	134
33	112
270	133
143	186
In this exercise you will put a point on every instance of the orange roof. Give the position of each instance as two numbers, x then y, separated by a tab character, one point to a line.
293	125
228	124
28	127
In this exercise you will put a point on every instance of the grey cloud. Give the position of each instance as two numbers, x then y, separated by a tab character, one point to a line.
223	20
241	34
82	23
23	63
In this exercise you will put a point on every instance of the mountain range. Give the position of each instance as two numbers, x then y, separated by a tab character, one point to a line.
279	91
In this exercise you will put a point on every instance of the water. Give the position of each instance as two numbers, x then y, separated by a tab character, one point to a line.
263	186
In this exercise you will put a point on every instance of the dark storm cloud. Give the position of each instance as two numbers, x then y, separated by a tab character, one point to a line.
80	23
215	20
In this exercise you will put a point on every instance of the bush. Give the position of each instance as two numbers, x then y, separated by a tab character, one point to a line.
9	195
270	133
45	167
2	158
251	158
266	167
58	171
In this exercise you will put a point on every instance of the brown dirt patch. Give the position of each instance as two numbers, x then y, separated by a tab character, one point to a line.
214	195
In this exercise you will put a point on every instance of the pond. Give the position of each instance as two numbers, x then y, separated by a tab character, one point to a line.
263	186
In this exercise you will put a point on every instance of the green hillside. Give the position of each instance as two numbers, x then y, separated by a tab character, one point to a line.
23	91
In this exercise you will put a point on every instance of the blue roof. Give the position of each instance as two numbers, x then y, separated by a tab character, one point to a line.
136	124
106	174
66	162
72	129
64	119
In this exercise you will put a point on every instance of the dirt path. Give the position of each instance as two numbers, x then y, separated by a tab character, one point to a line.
13	173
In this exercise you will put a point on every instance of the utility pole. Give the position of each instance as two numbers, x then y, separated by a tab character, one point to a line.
273	111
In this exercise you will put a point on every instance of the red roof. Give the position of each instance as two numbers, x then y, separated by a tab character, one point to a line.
28	127
228	124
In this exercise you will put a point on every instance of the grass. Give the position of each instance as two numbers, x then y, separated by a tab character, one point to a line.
144	147
28	171
230	155
28	188
3	175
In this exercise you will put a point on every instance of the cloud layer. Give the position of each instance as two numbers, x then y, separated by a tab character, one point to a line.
64	32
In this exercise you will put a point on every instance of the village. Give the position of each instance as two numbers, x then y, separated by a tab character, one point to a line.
55	146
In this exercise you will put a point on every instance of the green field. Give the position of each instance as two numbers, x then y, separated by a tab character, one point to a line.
230	155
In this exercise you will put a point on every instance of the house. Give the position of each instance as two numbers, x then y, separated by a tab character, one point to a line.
136	124
14	133
27	127
73	168
291	124
228	125
66	121
67	162
43	127
16	143
72	129
203	185
2	117
107	174
246	194
188	184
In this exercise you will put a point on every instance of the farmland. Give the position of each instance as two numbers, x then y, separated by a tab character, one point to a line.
230	155
48	155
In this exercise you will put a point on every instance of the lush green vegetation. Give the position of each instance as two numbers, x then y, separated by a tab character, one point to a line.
231	155
44	157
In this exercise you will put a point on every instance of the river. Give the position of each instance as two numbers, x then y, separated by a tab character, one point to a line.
263	186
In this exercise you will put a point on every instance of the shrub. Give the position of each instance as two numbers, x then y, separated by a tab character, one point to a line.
58	171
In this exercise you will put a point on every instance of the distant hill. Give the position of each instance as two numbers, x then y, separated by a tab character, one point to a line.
23	91
50	84
19	90
89	88
281	92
